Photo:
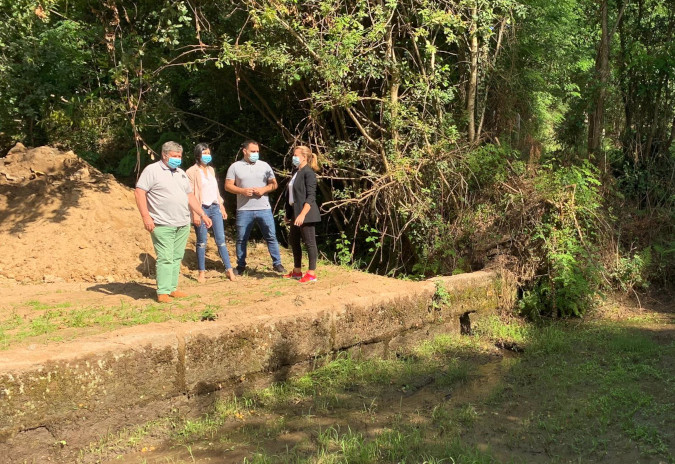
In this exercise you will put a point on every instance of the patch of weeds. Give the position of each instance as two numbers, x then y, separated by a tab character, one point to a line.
649	318
125	440
273	293
204	427
443	421
467	415
441	296
80	317
438	346
579	392
650	438
209	314
455	373
450	345
261	431
258	458
43	324
552	340
496	328
8	327
398	444
36	305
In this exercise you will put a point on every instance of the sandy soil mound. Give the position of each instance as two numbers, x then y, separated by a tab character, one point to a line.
62	219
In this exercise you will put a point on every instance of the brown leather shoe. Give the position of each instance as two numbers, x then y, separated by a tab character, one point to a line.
163	298
178	294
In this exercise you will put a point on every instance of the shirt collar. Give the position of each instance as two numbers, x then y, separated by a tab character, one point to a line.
167	168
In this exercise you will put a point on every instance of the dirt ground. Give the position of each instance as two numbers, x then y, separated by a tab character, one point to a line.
109	306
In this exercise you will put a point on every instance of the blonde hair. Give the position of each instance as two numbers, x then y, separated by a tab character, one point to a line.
311	158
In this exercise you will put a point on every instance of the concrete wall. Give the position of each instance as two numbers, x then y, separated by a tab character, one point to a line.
62	396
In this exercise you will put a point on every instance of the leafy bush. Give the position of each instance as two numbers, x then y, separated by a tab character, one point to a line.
631	272
487	165
567	232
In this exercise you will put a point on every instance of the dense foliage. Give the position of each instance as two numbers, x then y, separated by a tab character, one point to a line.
451	134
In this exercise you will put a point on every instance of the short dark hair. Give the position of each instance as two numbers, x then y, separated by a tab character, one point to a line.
198	151
248	143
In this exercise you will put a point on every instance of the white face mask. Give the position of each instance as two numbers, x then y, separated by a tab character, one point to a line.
253	157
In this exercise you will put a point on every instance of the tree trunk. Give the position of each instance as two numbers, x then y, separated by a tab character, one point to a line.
473	77
493	62
394	85
602	76
672	136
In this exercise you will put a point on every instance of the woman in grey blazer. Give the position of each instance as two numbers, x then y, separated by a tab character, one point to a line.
302	212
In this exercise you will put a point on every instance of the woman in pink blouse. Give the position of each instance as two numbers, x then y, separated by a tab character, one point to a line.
205	187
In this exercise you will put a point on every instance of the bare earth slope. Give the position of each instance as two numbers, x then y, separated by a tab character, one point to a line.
61	219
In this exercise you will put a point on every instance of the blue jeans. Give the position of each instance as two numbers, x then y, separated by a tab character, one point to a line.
265	220
213	212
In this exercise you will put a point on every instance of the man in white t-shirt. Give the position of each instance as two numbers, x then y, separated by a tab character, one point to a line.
252	180
164	198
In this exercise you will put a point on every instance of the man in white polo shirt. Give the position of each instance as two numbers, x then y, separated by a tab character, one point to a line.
251	180
164	198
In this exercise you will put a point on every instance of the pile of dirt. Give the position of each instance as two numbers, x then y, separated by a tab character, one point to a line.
62	219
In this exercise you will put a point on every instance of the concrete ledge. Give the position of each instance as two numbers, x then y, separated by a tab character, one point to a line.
128	370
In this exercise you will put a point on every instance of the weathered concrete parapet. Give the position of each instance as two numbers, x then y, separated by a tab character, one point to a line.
126	370
64	390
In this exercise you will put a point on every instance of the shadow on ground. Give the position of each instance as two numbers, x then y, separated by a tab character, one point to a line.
132	289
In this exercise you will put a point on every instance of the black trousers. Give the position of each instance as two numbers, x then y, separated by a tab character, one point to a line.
308	234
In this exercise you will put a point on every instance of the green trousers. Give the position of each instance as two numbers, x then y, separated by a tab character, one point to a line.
169	245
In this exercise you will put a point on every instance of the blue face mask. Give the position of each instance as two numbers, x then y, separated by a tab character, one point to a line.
206	159
253	157
174	163
296	161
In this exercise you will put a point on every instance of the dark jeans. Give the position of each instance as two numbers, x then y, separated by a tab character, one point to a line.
308	233
213	212
265	220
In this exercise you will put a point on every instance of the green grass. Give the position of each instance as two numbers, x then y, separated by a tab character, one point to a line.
348	384
603	382
15	328
125	439
39	306
579	392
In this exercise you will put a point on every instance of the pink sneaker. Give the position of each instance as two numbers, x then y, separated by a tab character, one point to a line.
293	275
307	278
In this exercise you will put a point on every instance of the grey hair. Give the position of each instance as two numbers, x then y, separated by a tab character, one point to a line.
168	147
